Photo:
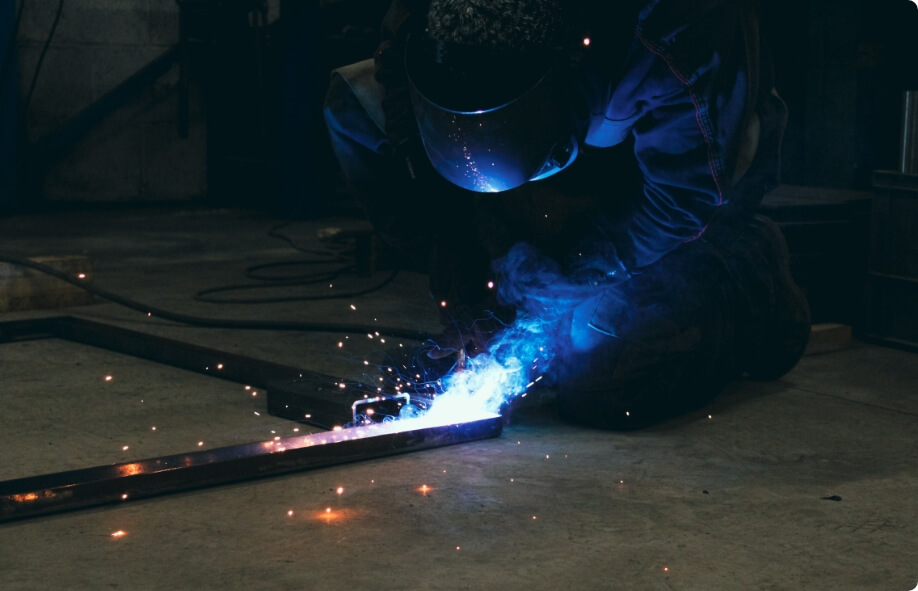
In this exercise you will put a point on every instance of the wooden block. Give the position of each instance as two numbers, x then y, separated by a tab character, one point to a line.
22	288
828	337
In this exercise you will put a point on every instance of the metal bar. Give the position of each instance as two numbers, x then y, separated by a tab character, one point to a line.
101	485
50	493
908	143
26	330
327	403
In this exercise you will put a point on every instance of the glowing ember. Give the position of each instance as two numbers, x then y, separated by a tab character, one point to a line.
119	534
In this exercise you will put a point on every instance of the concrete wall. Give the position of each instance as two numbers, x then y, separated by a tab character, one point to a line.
136	152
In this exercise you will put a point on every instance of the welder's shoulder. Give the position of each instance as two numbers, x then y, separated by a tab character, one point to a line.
693	36
684	23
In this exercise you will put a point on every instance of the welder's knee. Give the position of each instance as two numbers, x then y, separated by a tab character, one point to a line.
673	352
629	385
777	330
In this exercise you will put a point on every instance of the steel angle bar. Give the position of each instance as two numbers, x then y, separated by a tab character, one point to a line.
314	392
325	400
40	495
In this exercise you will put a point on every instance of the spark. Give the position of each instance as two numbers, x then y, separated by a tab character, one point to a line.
119	534
200	443
586	41
125	448
339	490
153	428
290	513
108	378
353	307
124	497
81	276
219	366
490	285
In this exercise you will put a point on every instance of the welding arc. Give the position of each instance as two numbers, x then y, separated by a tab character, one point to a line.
214	322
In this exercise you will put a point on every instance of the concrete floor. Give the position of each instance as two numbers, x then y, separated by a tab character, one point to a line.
804	483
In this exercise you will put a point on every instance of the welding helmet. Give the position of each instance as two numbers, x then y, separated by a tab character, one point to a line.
491	120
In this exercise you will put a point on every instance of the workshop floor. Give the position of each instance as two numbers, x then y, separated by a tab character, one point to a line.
805	483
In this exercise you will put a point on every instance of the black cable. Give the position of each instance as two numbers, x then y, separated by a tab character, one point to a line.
339	255
206	295
41	57
214	322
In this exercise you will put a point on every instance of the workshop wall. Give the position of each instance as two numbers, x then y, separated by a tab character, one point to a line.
135	152
841	66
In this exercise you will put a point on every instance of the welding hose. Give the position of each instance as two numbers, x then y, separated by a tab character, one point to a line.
153	311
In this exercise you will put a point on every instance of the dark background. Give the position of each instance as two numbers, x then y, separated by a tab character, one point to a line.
250	76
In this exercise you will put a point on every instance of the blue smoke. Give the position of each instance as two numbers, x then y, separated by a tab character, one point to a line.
554	308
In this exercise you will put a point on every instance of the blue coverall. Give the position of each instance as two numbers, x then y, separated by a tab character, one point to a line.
682	141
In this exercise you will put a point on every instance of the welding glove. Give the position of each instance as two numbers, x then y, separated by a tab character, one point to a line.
469	335
459	284
596	262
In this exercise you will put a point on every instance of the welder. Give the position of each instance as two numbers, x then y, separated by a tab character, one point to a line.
598	164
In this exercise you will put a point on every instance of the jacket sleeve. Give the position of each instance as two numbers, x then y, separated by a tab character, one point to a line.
685	100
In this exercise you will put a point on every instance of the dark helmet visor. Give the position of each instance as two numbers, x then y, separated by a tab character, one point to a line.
495	127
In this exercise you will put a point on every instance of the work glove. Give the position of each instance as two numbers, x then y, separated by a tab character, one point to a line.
469	336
